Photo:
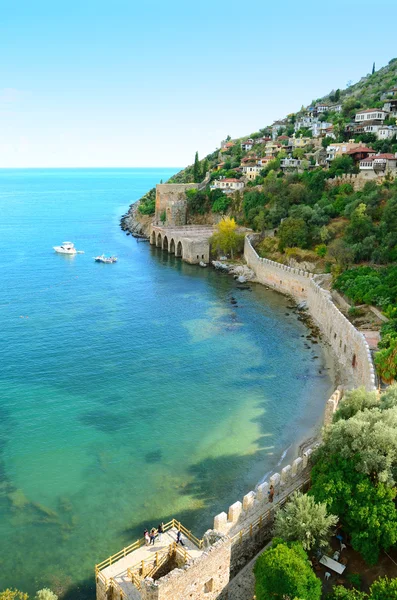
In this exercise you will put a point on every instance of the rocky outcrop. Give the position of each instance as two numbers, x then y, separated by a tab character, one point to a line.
136	224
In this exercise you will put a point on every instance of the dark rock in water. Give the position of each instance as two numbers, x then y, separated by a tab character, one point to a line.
153	457
287	314
243	287
315	357
233	300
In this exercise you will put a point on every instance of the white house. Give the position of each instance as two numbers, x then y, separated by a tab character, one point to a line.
247	145
335	108
227	184
322	108
386	132
371	114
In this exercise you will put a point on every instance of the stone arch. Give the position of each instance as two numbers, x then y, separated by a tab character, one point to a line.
165	243
172	246
153	238
179	249
159	240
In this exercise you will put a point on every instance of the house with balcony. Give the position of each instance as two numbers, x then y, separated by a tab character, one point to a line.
360	153
322	108
299	142
374	115
379	164
272	148
339	149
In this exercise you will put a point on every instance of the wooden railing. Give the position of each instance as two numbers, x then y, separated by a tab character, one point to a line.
147	568
141	542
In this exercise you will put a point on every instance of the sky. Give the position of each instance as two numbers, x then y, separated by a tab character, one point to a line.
138	84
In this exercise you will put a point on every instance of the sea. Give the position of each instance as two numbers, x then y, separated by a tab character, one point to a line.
134	392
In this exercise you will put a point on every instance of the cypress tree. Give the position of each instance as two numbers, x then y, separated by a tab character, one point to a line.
196	169
373	68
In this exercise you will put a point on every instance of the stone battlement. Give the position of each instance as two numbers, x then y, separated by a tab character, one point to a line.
349	344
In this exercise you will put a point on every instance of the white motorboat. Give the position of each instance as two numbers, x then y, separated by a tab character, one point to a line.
66	248
105	259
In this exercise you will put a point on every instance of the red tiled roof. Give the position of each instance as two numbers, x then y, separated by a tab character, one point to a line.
231	180
385	156
283	137
360	149
388	156
368	110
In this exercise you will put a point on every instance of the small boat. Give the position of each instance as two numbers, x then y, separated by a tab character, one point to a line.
105	259
67	248
202	263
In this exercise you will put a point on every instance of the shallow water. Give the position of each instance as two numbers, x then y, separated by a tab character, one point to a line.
129	393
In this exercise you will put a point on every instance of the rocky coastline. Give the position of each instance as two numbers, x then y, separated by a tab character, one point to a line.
134	223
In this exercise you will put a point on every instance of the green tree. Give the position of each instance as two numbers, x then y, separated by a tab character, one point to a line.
384	589
304	520
373	68
355	401
339	250
365	508
293	233
341	165
196	169
386	362
283	571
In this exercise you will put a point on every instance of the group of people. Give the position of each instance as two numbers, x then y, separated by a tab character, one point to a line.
151	536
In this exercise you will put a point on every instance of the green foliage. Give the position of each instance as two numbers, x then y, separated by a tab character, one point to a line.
283	571
339	592
355	579
196	169
369	437
293	233
370	286
355	401
386	361
341	165
366	509
197	202
305	521
321	250
163	217
384	589
147	203
221	203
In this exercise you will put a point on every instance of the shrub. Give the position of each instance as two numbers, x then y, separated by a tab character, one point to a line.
305	521
384	589
284	571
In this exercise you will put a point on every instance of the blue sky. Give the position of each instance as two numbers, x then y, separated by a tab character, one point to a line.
127	84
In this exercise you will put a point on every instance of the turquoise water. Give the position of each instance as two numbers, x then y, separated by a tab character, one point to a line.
129	393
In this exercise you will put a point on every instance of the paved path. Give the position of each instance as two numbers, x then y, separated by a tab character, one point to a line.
118	570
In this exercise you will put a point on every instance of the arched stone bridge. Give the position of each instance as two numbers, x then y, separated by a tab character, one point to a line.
189	242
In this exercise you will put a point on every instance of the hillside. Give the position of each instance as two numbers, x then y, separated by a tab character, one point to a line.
320	187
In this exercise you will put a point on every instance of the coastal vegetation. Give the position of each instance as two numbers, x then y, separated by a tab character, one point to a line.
44	594
353	477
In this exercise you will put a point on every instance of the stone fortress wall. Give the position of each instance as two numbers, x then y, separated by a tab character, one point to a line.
349	345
